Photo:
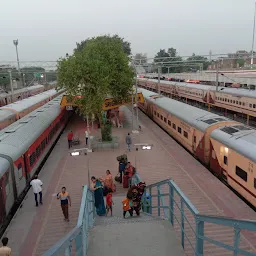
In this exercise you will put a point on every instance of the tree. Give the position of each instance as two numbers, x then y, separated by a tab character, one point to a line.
96	71
199	59
126	44
140	59
240	62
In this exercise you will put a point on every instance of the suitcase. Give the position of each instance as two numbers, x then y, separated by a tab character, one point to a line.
125	181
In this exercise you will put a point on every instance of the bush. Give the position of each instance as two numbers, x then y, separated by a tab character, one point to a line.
106	132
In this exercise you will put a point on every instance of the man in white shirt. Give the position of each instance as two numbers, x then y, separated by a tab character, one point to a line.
37	189
5	250
86	137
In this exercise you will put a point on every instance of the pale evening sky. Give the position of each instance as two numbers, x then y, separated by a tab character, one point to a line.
48	29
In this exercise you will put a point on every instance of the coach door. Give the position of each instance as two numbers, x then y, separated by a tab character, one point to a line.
2	202
194	140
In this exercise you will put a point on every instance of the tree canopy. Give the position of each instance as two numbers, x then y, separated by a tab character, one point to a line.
199	59
126	44
96	71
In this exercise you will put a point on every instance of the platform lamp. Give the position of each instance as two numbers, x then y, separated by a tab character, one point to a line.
81	152
142	146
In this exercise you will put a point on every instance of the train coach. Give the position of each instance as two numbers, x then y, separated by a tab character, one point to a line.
23	147
7	98
204	135
12	112
236	100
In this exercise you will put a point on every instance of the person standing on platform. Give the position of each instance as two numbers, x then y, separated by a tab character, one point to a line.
109	202
65	200
128	141
5	250
70	139
86	137
37	189
121	170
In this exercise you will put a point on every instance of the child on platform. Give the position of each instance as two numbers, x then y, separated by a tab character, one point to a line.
127	207
109	202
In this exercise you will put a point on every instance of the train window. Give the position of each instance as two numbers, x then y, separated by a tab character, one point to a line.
240	102
179	130
155	113
185	134
254	105
237	102
38	151
243	104
169	122
161	117
228	100
20	171
225	99
32	159
165	120
241	173
254	182
194	139
250	105
225	160
174	126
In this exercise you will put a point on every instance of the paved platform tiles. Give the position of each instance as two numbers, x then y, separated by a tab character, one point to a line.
34	230
143	235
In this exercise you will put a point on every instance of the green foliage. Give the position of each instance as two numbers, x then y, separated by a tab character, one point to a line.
240	62
96	71
199	59
126	44
106	132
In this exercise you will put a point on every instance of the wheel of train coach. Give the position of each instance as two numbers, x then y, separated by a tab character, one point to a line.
226	146
23	147
235	100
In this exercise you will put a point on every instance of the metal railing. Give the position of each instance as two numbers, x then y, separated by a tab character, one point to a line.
179	209
77	240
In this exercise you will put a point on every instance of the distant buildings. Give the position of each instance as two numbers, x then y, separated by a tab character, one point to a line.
238	60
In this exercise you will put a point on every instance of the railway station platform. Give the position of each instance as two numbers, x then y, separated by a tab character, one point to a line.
34	230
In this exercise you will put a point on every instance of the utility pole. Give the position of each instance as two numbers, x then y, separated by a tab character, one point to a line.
253	35
10	77
159	69
217	76
210	56
136	103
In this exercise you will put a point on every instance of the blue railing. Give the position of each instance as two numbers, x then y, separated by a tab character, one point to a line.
192	224
77	239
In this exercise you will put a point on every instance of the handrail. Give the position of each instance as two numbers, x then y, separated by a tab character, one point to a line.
199	220
80	233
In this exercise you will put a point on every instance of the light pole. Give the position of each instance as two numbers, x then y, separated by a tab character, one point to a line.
16	42
253	34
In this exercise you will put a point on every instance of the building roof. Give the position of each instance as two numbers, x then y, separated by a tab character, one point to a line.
18	137
193	116
240	138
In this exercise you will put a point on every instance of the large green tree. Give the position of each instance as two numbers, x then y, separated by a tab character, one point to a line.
96	71
126	45
200	60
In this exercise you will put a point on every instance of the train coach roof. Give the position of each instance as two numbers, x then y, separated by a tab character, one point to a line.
17	138
240	138
196	117
29	102
4	165
234	91
5	114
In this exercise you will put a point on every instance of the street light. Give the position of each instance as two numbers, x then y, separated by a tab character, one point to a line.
16	42
82	151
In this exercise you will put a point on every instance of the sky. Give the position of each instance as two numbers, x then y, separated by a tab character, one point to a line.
49	29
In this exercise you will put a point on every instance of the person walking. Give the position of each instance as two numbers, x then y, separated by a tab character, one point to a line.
109	202
128	141
70	139
65	200
86	137
37	189
121	170
5	250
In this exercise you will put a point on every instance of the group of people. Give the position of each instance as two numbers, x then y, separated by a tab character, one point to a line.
70	137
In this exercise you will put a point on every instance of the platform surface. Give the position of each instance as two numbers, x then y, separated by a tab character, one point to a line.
34	230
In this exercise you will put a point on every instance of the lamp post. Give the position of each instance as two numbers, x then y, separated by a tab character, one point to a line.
16	42
83	151
253	35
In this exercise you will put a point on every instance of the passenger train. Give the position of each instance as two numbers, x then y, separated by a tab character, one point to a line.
238	100
7	98
23	147
225	146
12	112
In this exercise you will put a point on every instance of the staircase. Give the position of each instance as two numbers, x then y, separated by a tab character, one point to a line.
143	235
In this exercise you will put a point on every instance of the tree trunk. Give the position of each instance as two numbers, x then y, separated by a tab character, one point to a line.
106	129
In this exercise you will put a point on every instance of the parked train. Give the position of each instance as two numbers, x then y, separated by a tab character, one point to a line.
7	98
225	146
23	147
234	99
12	112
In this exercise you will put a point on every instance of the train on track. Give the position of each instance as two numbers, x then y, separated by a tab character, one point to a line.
236	100
7	98
13	112
23	147
227	147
